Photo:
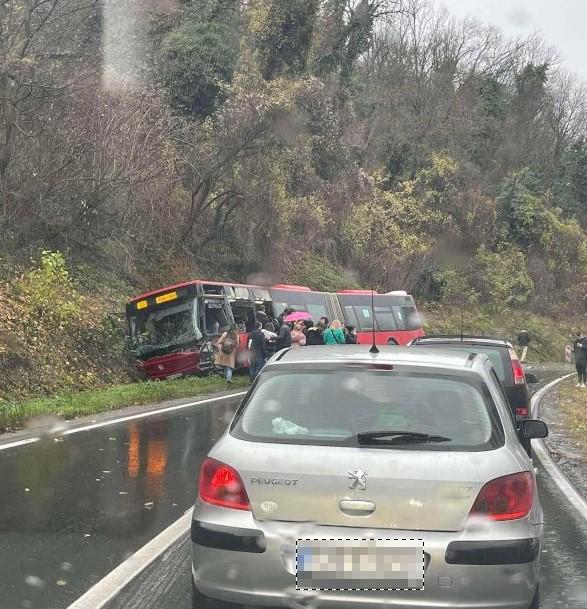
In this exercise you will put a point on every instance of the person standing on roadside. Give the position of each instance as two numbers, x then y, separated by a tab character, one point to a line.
283	338
314	335
580	350
270	338
334	335
524	343
257	350
298	338
226	357
287	311
350	335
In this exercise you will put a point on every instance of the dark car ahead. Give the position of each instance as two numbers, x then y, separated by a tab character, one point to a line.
503	356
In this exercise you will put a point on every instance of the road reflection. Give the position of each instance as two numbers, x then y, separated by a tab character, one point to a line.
90	499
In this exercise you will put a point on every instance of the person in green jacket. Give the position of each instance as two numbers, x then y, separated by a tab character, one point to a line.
334	335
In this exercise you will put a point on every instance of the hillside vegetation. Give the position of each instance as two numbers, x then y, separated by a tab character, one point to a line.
329	142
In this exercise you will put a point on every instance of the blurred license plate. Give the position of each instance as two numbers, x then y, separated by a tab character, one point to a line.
360	564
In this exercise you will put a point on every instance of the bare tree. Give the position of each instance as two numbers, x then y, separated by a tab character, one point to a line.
36	38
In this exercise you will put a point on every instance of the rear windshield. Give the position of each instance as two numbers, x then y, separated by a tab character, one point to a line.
499	357
332	406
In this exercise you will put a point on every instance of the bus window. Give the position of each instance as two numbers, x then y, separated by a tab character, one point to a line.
351	317
361	316
412	318
215	317
385	319
359	313
260	294
313	303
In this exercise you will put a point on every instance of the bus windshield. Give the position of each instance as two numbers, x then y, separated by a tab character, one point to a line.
164	328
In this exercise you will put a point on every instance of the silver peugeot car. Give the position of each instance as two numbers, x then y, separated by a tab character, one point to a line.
349	478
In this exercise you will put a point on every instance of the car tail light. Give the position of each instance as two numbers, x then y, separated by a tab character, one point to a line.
522	411
519	376
507	498
221	485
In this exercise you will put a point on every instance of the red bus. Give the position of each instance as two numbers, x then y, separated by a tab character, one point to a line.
173	330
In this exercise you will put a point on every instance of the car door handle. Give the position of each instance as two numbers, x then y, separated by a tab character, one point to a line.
354	507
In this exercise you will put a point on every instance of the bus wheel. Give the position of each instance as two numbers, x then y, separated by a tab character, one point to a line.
392	342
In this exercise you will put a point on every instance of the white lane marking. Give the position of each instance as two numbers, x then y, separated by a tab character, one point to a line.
19	443
107	588
141	415
548	463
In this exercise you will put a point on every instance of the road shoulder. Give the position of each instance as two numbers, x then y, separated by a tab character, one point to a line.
562	443
54	425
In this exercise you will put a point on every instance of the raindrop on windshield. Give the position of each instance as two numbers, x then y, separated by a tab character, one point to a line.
352	384
34	581
46	426
272	406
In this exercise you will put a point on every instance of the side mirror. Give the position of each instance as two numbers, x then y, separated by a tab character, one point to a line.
531	379
533	430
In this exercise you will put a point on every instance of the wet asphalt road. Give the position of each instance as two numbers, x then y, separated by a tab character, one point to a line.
95	497
72	508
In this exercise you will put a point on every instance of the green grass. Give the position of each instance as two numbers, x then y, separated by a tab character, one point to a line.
572	410
548	335
14	415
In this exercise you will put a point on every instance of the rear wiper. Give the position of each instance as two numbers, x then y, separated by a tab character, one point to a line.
398	437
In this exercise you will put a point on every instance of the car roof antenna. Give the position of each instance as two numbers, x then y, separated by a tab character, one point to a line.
374	348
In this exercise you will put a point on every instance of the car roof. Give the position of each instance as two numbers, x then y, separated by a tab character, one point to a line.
465	340
440	358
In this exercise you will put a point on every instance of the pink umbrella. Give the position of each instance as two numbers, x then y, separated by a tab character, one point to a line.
297	316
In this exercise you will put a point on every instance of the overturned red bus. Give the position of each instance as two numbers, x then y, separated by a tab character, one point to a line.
173	330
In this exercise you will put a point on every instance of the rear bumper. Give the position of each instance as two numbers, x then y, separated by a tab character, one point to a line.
254	563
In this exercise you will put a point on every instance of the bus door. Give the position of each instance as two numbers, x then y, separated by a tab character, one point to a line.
216	312
263	302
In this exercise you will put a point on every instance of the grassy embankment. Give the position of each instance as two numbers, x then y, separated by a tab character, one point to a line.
572	407
15	415
79	366
549	335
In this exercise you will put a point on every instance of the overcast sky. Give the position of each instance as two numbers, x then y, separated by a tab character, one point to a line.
563	23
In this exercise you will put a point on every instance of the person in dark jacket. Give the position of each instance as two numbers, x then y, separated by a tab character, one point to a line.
580	350
257	351
262	317
283	338
287	311
314	335
524	343
270	338
350	335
